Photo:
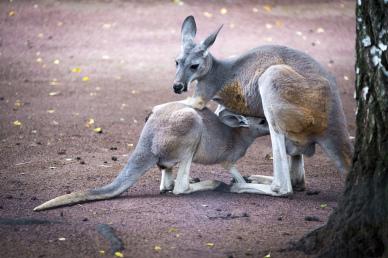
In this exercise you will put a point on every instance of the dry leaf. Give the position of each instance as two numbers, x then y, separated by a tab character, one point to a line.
89	123
210	245
119	254
98	130
223	11
39	60
172	230
54	93
279	23
207	14
157	248
50	111
268	255
101	252
323	205
85	78
76	70
61	239
17	123
11	13
267	8
320	30
56	61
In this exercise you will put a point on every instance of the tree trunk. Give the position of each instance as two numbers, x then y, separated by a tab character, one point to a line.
359	226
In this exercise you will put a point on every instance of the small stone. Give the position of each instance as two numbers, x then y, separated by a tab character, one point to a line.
78	158
239	237
280	218
105	162
62	152
113	148
85	219
61	214
218	210
82	162
8	196
114	158
311	218
312	192
68	192
33	198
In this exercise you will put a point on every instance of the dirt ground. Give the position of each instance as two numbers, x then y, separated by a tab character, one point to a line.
63	63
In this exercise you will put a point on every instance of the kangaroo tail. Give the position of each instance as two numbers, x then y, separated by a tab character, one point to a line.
127	177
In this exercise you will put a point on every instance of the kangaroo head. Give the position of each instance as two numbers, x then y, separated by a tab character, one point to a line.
193	61
256	126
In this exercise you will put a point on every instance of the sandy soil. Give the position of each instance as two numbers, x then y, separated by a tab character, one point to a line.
65	62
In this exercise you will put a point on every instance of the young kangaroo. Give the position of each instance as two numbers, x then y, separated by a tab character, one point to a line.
178	134
297	96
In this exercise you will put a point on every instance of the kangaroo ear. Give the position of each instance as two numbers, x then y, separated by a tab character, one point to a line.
232	120
208	42
189	29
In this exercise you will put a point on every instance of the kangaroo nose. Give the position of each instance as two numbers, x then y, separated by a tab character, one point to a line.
178	87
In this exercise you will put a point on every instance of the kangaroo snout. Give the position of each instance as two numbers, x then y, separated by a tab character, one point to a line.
179	87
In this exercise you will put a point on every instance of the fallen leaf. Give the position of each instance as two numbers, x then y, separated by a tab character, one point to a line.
279	23
320	30
268	255
223	11
54	93
39	60
207	14
98	130
56	61
85	78
172	230
76	70
55	122
50	111
89	123
130	145
267	8
323	205
101	252
119	254
18	103
157	248
11	13
210	245
61	239
17	123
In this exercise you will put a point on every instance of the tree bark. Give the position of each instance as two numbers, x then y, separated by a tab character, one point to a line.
359	226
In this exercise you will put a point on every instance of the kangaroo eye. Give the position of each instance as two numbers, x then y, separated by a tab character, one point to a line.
194	66
176	63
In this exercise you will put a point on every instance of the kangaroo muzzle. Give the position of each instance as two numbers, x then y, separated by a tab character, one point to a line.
179	87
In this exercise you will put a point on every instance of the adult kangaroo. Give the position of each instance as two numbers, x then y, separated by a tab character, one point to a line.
296	95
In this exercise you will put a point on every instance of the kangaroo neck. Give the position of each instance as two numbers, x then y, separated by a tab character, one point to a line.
214	80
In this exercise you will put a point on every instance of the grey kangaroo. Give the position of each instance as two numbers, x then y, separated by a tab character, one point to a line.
299	99
178	134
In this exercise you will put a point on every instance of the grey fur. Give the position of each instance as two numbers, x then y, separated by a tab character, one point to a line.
176	134
283	78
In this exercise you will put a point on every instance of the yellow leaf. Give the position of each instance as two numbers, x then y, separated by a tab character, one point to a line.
17	123
85	78
11	13
119	254
210	245
267	8
279	23
223	11
157	248
89	122
98	130
101	252
76	70
323	205
56	61
50	111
